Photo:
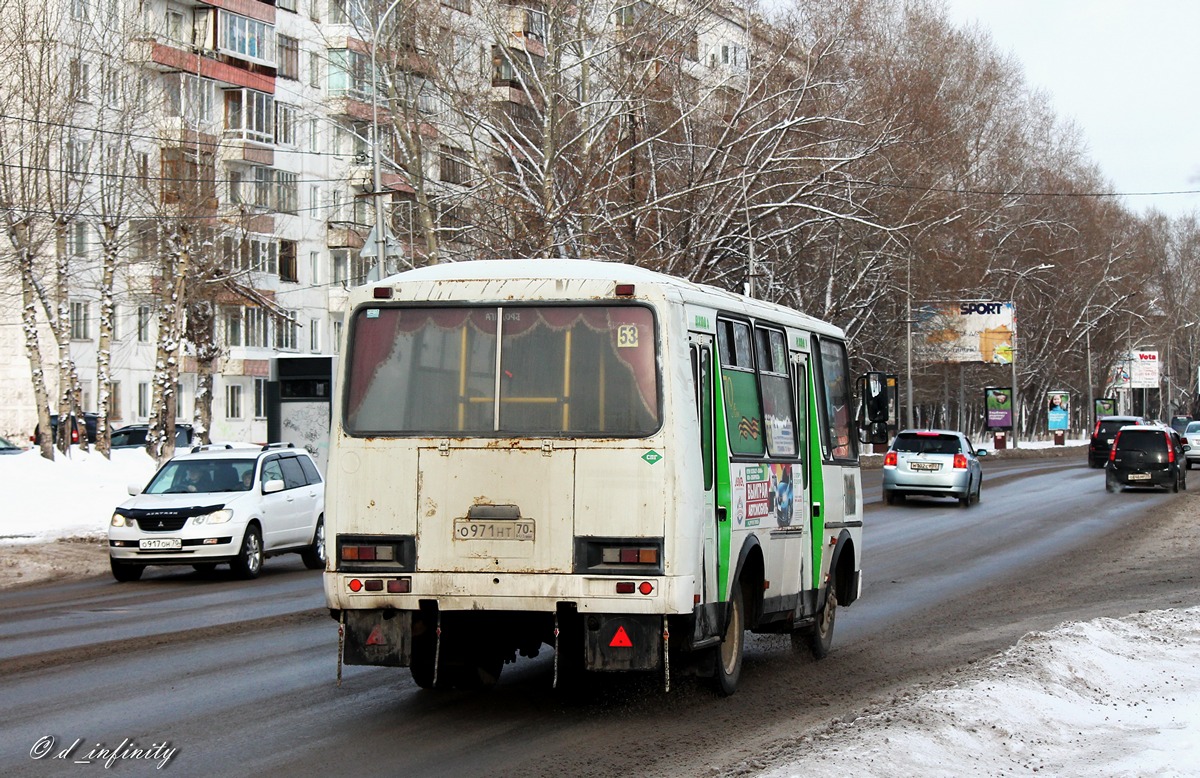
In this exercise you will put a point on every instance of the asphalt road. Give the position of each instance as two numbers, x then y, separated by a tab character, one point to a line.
239	677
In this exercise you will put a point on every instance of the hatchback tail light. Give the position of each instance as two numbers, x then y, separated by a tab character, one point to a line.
1112	452
960	461
1170	449
890	459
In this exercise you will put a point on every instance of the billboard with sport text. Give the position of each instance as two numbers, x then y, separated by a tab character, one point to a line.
973	331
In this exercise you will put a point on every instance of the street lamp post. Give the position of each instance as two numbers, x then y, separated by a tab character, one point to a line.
377	183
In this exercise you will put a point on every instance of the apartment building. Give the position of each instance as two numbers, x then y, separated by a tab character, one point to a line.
260	125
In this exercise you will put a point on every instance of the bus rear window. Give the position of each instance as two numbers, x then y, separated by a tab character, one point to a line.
556	371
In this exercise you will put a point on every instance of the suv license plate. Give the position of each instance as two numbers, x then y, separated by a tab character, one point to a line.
468	529
1139	476
924	465
160	544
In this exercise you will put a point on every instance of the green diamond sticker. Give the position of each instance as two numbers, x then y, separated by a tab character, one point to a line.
651	457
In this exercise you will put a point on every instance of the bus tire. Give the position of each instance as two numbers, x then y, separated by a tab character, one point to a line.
727	657
820	636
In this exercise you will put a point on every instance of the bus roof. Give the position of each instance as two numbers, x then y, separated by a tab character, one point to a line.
591	270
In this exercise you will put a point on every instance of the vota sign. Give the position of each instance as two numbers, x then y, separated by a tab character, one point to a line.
1143	370
968	331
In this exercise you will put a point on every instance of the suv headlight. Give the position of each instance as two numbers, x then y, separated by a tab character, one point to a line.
216	517
120	521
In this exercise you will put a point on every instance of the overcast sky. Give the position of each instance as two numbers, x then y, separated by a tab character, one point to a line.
1126	71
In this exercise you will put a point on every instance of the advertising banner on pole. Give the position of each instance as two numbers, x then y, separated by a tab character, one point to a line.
999	404
966	332
1143	370
1058	411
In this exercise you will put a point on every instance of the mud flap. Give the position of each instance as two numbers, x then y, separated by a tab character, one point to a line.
379	638
616	643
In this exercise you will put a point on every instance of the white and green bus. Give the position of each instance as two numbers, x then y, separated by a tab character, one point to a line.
626	467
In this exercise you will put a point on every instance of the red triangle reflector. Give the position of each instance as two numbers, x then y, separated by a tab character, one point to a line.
621	639
376	637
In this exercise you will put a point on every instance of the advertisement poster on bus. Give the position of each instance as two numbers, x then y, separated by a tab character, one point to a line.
1143	370
971	331
1058	410
998	401
1106	406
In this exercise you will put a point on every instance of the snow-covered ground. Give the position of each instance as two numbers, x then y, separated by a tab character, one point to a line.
1111	697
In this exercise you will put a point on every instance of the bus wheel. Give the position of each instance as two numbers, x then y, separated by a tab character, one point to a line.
728	655
421	664
820	636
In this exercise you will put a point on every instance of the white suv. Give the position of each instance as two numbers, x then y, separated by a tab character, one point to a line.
222	503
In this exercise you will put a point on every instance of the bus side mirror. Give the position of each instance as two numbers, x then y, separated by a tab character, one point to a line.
875	396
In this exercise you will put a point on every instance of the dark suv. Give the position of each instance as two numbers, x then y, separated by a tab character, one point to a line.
134	436
1102	437
1146	456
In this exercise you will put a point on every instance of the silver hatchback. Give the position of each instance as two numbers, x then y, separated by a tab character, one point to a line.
938	463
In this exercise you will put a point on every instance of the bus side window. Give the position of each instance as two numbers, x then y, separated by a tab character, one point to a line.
778	411
739	387
800	393
702	376
841	444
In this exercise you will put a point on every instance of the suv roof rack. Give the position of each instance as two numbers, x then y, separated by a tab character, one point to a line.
210	447
270	446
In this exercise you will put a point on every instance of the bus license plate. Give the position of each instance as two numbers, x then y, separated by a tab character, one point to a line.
925	465
160	544
469	529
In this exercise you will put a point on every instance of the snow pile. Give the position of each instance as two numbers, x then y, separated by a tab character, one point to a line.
73	496
1111	697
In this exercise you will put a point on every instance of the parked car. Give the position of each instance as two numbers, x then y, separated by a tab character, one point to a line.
222	504
1146	455
8	447
89	423
940	463
1103	435
1191	440
134	436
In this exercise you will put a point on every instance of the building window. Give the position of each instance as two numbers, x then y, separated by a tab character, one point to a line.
288	264
314	68
81	327
77	156
188	176
260	398
233	401
143	400
289	56
233	326
179	414
78	239
349	74
79	10
114	400
285	332
246	38
285	124
142	165
286	192
191	98
314	136
314	263
144	316
175	29
257	328
252	186
314	336
455	168
287	5
337	332
249	115
349	267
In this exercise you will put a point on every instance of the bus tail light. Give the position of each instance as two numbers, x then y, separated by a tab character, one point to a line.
960	461
890	459
630	556
364	553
